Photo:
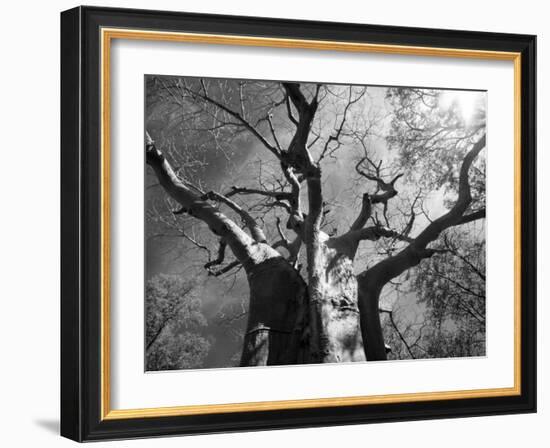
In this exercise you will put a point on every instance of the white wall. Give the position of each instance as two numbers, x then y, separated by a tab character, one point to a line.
29	245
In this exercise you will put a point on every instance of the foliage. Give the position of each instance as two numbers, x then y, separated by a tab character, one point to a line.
401	183
431	133
451	288
172	324
186	350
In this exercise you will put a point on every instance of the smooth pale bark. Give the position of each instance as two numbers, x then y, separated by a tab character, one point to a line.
331	326
335	331
334	328
335	317
278	294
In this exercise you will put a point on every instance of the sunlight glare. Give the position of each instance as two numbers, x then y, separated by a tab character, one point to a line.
466	102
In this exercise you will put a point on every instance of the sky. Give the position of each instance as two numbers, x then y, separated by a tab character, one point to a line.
238	163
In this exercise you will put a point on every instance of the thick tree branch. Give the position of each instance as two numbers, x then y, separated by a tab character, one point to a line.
221	256
474	216
239	241
284	239
417	249
296	96
225	269
455	215
349	242
388	188
293	247
255	229
296	216
376	232
297	156
219	260
277	195
369	200
364	214
373	280
289	109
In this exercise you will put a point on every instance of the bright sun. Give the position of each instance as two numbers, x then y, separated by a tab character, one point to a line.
467	102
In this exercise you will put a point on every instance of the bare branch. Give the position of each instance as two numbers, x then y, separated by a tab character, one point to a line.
453	250
219	260
376	232
289	110
417	250
239	241
293	247
394	325
336	137
220	257
277	195
205	97
195	242
225	269
284	239
295	94
273	133
364	214
455	215
255	229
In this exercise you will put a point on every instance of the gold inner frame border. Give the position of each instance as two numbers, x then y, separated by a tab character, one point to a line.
107	35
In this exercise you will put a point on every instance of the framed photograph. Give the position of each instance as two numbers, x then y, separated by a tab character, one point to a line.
275	224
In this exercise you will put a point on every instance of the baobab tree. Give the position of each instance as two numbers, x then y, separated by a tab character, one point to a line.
316	257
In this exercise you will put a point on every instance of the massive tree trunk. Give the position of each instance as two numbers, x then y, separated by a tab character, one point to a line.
276	317
334	317
334	311
278	294
334	328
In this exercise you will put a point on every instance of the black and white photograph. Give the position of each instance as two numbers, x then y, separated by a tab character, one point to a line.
292	222
275	224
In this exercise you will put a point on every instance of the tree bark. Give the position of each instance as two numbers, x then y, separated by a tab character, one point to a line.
276	317
334	328
278	295
335	331
372	281
335	316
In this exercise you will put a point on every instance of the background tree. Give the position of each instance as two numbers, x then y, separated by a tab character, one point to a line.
172	323
451	292
316	244
438	146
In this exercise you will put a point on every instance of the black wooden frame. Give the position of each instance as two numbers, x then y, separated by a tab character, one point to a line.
80	223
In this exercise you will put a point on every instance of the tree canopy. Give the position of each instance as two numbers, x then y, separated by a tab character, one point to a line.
173	320
349	195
